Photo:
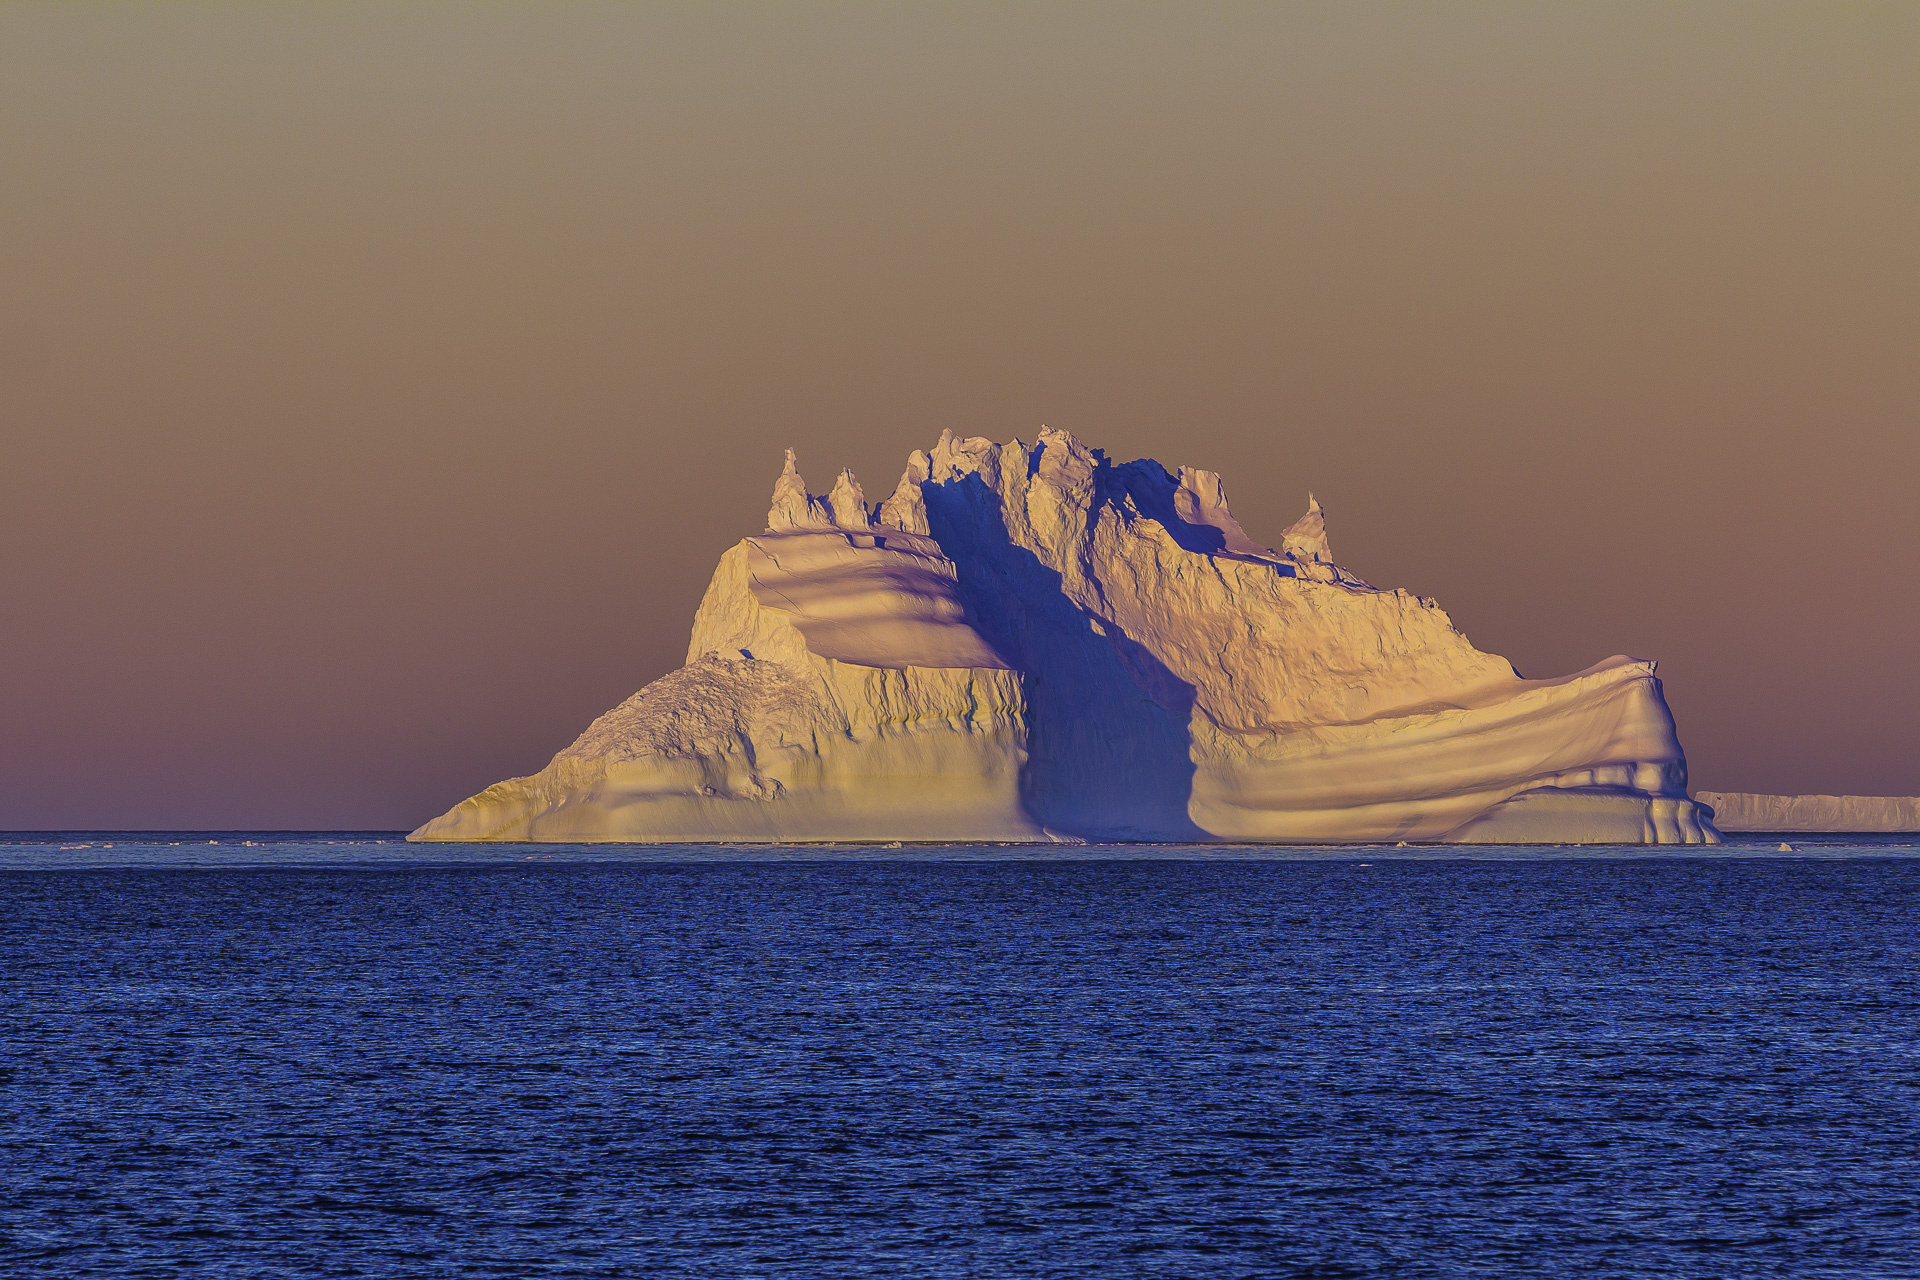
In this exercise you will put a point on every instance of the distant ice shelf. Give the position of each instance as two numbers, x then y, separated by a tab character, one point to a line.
1033	643
1738	811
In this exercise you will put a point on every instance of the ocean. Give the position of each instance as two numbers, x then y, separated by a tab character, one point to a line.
301	1055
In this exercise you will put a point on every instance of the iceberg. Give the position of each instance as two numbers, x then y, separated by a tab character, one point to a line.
1034	643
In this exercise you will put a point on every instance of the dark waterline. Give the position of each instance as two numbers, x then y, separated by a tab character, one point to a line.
1348	1065
51	850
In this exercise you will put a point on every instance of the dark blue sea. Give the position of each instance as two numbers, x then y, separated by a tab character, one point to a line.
327	1056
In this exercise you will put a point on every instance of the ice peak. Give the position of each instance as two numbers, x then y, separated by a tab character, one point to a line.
906	510
792	507
954	457
1306	538
1201	499
848	502
1065	463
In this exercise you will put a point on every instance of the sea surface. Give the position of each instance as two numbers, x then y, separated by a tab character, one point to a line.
344	1055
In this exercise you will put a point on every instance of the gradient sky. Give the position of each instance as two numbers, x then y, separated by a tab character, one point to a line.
379	384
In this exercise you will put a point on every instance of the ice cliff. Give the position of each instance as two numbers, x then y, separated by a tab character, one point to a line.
1030	642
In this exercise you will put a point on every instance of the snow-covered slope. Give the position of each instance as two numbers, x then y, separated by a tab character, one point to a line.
1030	642
1738	811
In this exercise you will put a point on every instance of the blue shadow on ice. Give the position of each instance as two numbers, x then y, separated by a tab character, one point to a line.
1108	737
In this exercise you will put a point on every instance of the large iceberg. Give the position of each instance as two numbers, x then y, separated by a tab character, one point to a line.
1030	643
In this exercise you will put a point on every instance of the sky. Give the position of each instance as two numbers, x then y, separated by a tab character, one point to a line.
379	384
